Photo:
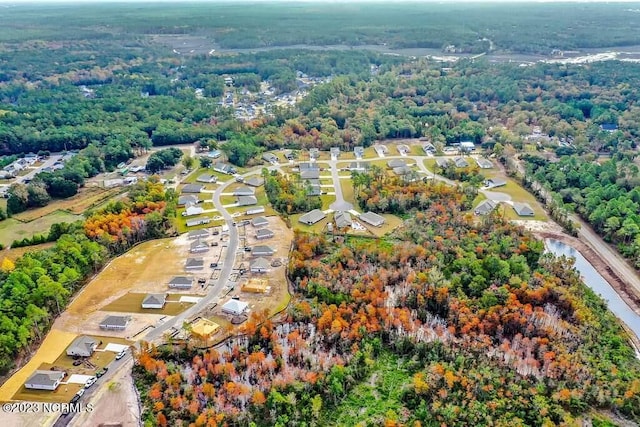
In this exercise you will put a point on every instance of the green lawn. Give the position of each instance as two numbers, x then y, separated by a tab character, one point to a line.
11	229
326	201
348	191
374	399
519	194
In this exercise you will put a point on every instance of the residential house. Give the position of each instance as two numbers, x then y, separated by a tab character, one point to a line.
225	168
82	346
264	233
192	188
198	234
396	163
209	179
115	323
247	200
194	264
256	210
485	207
523	209
244	191
44	380
270	158
381	150
495	182
192	211
188	199
372	219
262	250
313	190
198	221
342	219
359	166
358	152
255	181
609	127
314	153
214	154
306	166
155	301
335	153
181	282
235	307
484	163
259	221
310	174
199	246
467	146
402	170
312	217
403	149
460	162
428	148
442	162
289	155
260	265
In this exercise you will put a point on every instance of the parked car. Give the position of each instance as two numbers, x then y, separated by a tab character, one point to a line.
101	372
77	362
91	381
121	354
213	265
214	243
80	393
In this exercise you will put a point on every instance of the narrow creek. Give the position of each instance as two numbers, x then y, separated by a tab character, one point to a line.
598	284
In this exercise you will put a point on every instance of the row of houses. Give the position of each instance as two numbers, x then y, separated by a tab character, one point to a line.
342	219
461	162
488	206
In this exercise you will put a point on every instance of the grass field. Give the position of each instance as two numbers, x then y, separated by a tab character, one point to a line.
132	303
392	222
374	399
348	192
52	346
519	194
87	198
14	254
11	229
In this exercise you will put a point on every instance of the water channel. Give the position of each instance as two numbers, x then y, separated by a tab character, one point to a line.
598	284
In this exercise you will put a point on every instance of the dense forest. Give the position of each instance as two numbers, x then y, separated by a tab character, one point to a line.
487	329
36	288
289	194
524	28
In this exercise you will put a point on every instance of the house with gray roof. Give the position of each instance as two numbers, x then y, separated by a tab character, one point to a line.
403	149
259	221
192	211
198	234
485	207
207	178
310	174
372	218
313	190
188	199
156	301
442	162
460	162
199	246
402	170
264	233
428	148
312	217
198	221
358	152
523	209
335	152
495	182
359	166
381	149
270	158
44	380
194	264
225	168
115	323
82	346
342	219
244	191
235	307
484	163
314	153
255	181
247	200
396	163
306	166
192	188
260	265
181	282
262	250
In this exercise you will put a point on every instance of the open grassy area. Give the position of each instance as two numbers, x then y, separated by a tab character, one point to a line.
132	303
11	229
519	194
64	393
326	201
52	346
374	399
87	198
14	254
348	192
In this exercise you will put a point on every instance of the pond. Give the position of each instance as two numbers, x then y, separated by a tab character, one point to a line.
598	284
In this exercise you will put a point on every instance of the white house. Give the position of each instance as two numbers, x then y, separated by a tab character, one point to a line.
235	307
83	346
156	301
44	380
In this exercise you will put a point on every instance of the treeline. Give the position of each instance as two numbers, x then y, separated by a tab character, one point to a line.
36	288
289	195
163	159
487	329
605	194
